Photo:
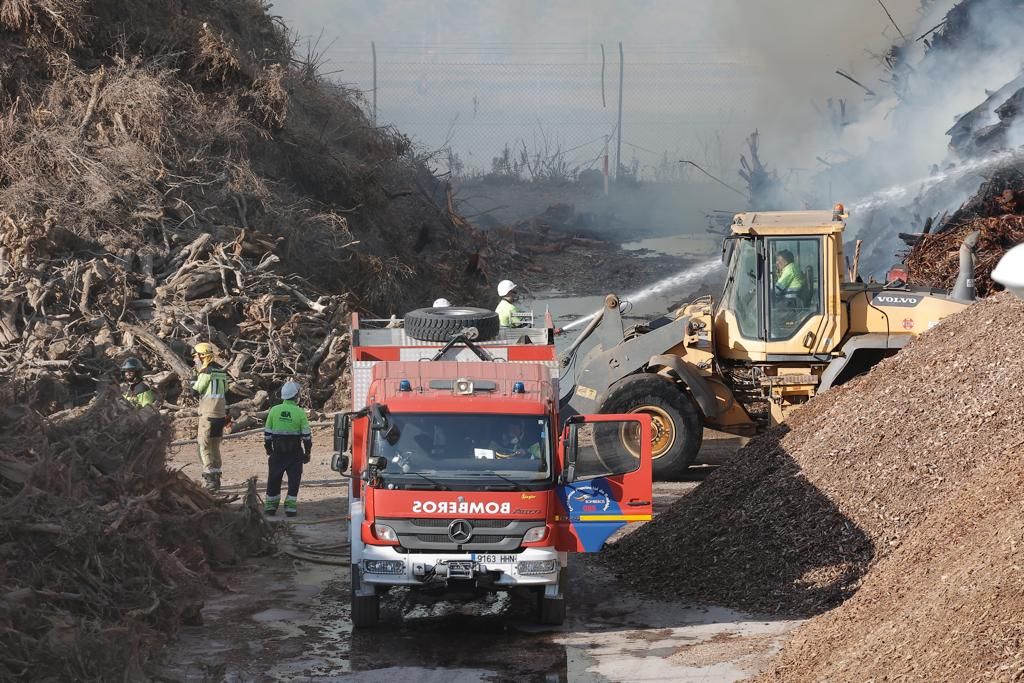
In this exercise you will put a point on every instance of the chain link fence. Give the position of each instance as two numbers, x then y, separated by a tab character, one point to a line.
547	111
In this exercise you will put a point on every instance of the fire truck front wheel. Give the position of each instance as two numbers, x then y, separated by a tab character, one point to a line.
552	610
365	608
441	324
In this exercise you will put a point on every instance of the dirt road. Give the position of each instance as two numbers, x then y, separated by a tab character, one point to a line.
288	619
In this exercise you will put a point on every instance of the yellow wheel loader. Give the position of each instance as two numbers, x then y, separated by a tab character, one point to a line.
789	325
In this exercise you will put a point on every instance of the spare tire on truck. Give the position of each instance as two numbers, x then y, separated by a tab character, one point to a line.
441	324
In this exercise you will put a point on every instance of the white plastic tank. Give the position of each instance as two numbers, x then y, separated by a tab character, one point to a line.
1009	272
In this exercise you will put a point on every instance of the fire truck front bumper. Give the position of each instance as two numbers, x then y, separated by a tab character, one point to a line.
383	565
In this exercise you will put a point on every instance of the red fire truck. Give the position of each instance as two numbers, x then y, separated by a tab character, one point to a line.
463	477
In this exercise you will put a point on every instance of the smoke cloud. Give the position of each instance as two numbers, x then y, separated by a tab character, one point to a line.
827	138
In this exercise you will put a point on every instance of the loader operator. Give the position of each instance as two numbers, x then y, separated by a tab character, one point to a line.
790	282
212	386
506	308
137	392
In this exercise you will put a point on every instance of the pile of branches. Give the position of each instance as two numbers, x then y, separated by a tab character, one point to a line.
75	317
104	550
208	185
997	210
935	261
553	231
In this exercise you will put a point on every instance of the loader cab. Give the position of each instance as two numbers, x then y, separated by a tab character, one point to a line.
781	297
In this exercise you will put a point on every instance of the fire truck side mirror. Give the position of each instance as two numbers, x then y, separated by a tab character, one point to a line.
569	450
339	462
342	424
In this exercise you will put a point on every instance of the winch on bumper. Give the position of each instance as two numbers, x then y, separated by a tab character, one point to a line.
532	567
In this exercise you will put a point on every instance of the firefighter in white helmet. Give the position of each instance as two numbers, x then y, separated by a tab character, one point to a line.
442	303
289	444
506	308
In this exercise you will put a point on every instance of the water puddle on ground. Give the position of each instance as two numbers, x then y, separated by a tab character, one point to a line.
289	620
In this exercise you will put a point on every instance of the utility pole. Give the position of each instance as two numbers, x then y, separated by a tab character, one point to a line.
373	48
606	164
618	142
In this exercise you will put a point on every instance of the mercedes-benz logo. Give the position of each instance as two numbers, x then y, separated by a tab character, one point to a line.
460	531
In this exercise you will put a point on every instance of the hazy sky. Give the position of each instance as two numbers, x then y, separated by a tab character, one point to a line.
493	21
699	74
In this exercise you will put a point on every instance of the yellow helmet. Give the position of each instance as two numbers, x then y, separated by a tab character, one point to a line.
204	350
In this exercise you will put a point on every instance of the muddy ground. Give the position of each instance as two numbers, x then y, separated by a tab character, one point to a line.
599	268
288	619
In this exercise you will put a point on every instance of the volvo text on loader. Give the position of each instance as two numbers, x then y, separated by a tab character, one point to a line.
743	362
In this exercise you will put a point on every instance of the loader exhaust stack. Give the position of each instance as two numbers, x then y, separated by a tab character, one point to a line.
964	289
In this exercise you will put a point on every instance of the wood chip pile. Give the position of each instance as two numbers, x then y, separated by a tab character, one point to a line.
903	487
104	550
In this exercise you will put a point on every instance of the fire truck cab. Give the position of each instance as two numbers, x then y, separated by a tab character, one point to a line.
463	477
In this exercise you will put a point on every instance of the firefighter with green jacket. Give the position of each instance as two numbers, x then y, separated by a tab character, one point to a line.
212	386
289	443
506	308
136	391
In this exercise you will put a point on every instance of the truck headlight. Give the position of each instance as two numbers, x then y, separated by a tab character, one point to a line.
385	533
535	534
537	566
384	566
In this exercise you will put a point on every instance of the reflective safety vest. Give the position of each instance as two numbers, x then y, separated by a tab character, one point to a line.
506	310
212	387
286	428
790	279
140	395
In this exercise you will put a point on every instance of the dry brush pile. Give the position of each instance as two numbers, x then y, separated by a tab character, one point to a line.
172	172
104	550
903	489
996	210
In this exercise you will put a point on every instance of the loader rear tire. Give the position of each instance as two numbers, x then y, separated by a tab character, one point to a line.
676	427
441	324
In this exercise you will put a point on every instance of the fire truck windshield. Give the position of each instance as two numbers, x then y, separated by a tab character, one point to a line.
471	446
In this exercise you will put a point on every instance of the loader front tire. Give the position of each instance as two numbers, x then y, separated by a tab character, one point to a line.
676	426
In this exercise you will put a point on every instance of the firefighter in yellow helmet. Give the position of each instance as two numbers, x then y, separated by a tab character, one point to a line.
212	386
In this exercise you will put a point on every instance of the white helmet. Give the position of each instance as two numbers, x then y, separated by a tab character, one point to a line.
505	286
1009	272
290	390
442	303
